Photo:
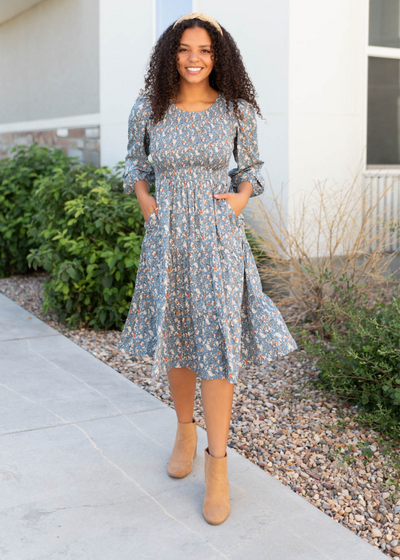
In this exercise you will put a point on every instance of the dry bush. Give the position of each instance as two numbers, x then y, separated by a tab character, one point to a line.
334	239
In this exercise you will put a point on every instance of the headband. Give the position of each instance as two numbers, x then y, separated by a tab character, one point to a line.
199	15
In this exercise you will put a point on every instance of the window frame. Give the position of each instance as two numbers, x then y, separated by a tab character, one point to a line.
378	52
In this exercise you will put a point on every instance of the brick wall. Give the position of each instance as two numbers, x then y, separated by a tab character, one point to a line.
83	143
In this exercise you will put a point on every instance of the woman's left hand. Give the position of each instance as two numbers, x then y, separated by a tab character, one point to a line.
237	201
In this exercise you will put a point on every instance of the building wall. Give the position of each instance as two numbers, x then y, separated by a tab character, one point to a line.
49	85
327	92
127	33
327	103
49	61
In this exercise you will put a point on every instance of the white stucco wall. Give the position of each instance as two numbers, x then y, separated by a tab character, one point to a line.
127	31
49	64
327	93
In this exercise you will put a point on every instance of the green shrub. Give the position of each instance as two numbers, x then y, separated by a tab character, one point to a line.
361	361
87	234
17	176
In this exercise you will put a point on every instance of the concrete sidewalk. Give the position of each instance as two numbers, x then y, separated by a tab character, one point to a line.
83	454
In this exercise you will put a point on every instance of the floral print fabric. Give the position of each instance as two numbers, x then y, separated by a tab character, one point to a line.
198	300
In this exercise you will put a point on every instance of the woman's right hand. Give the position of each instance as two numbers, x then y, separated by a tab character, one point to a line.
148	205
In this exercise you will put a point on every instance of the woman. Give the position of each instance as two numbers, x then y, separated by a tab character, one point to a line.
198	307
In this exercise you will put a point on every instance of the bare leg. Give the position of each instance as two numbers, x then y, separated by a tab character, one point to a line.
217	397
182	382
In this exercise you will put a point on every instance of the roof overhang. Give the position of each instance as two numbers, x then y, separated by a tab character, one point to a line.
12	8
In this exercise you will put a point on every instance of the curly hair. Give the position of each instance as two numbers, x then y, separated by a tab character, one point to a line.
228	75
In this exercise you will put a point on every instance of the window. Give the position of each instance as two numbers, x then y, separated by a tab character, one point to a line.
384	23
383	114
168	11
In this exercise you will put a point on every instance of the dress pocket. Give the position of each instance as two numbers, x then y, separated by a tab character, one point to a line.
151	221
231	212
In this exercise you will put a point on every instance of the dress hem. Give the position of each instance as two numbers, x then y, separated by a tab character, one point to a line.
248	363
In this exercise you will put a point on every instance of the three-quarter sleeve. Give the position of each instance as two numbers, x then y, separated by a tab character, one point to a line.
137	164
246	153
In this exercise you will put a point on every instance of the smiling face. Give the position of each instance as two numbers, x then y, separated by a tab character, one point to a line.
195	55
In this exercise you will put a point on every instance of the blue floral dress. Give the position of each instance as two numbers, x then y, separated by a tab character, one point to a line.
198	300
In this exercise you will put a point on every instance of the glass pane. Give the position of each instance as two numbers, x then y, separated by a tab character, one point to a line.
167	12
383	130
384	23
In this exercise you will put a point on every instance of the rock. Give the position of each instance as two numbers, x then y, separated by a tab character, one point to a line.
376	532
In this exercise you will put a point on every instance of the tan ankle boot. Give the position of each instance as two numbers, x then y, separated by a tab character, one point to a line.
216	506
185	450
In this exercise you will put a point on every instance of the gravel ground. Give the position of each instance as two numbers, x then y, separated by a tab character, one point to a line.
302	436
